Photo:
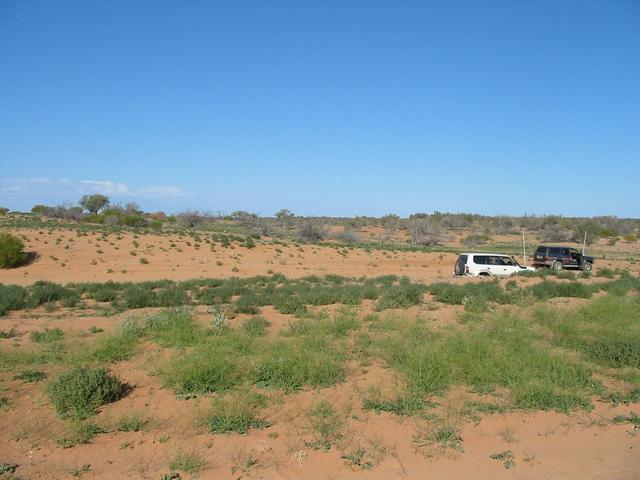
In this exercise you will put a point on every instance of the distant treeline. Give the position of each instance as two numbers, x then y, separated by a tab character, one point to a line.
424	229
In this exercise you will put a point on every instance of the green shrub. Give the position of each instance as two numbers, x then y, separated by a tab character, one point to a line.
499	353
30	376
71	300
292	364
137	296
11	251
400	296
256	326
327	426
202	372
615	352
247	303
546	290
189	462
289	305
173	296
620	286
237	413
115	348
605	272
47	292
460	294
79	433
79	392
408	405
131	423
174	328
12	297
46	336
606	331
103	293
8	333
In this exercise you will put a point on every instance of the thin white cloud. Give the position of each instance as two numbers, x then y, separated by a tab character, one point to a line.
107	187
55	189
39	181
155	191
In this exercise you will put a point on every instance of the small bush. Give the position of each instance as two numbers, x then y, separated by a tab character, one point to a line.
237	413
136	296
201	372
174	328
12	297
399	406
172	296
79	392
189	462
8	333
30	376
115	348
311	233
326	425
289	305
47	292
615	352
132	423
47	336
79	433
546	290
605	272
400	296
256	326
290	365
104	293
11	251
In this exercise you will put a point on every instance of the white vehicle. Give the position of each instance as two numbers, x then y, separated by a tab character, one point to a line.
488	264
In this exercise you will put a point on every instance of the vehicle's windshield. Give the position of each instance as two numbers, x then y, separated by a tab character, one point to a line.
516	262
508	261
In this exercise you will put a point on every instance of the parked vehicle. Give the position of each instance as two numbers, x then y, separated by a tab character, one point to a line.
488	264
558	258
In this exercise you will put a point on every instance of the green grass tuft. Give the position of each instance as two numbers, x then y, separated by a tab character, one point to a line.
237	413
79	392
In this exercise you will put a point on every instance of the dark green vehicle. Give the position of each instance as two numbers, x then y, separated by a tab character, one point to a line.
558	258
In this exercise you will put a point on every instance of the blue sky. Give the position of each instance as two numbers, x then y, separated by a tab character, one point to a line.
326	108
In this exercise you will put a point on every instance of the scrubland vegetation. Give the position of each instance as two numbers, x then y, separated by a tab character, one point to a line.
291	296
418	229
267	359
534	358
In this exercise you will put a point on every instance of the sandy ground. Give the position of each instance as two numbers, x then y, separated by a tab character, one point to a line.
544	445
65	257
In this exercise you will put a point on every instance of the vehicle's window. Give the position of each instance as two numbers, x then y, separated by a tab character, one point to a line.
480	259
566	251
555	251
507	261
541	250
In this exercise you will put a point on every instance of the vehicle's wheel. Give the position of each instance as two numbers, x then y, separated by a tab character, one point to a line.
586	267
556	266
484	274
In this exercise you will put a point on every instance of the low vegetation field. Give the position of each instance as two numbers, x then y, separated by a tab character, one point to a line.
188	353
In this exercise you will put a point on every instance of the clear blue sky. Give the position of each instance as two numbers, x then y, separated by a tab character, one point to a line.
326	108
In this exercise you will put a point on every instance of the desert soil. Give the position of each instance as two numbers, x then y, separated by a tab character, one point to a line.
543	445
